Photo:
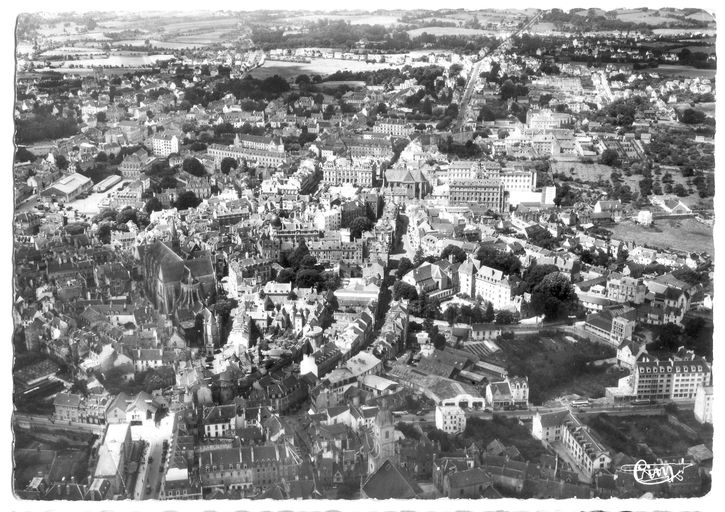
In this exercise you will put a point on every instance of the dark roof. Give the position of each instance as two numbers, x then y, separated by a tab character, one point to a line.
389	481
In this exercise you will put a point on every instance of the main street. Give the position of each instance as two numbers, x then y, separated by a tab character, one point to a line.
463	109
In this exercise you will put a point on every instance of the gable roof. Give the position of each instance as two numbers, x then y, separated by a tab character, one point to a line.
389	481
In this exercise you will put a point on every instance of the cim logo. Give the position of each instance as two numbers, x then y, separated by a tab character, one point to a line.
660	473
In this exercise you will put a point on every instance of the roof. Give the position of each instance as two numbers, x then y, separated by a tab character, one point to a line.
553	419
389	481
475	476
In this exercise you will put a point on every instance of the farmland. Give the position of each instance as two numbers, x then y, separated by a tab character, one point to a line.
449	31
321	67
679	235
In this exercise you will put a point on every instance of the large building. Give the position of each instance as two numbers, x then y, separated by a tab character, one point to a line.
494	287
676	378
564	430
164	144
703	404
343	171
485	193
164	271
394	127
258	157
69	187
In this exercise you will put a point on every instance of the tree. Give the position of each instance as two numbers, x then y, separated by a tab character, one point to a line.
609	157
153	205
187	200
458	253
307	278
61	162
194	167
285	275
692	116
404	266
330	280
451	314
489	316
418	257
101	117
359	225
504	317
554	297
403	290
23	155
228	163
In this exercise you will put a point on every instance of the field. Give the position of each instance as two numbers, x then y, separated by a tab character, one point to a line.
544	27
363	19
449	31
649	17
682	30
321	67
623	433
673	70
680	235
585	172
556	366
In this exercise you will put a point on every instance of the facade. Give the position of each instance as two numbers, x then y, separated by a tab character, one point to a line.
68	188
494	287
676	378
564	430
703	404
451	419
485	193
163	145
343	172
625	289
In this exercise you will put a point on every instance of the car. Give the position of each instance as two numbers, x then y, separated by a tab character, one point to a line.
148	488
151	460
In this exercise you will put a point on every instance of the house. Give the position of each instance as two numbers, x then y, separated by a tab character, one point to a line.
674	206
511	392
495	287
450	418
470	483
113	455
628	352
613	324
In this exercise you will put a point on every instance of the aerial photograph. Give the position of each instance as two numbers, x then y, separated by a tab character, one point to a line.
413	253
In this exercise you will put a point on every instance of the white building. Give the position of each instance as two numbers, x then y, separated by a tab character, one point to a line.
494	287
703	404
451	419
163	145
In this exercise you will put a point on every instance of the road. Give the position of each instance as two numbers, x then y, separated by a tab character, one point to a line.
150	473
463	108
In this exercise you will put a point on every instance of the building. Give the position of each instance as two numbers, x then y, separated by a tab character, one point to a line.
564	431
485	193
613	324
164	144
135	164
703	404
258	157
494	287
68	188
676	378
342	171
624	289
408	183
510	392
394	127
450	418
113	455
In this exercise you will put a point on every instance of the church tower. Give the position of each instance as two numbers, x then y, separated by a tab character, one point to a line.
384	446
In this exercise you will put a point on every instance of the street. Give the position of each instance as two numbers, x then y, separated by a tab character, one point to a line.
149	473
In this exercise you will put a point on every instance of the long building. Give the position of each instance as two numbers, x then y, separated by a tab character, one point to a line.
487	193
676	378
259	156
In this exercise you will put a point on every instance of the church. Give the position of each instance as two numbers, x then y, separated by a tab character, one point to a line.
164	270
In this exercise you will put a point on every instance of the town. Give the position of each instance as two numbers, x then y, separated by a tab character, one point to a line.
349	255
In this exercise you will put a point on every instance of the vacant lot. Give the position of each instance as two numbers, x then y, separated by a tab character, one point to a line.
680	235
585	172
555	365
623	433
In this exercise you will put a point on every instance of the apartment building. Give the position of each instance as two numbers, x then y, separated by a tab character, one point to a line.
394	127
451	419
485	193
565	431
259	157
494	287
625	289
164	144
676	378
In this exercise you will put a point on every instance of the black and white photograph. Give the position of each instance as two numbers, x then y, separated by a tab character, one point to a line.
343	252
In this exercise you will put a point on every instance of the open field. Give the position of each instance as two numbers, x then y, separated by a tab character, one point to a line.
448	31
159	44
623	433
362	19
680	235
555	365
649	17
671	70
321	67
585	172
683	30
